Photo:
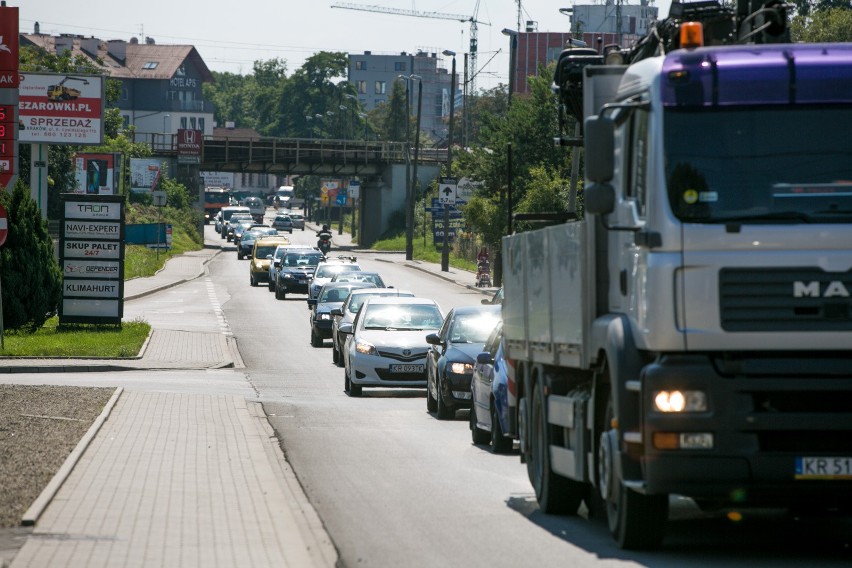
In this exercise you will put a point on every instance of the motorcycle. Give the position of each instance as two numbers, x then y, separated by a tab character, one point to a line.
324	242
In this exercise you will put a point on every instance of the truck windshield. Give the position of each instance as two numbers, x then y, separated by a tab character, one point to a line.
760	165
216	197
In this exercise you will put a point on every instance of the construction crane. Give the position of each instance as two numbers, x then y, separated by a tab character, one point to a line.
437	15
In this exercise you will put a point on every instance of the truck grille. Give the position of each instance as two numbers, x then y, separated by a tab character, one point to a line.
785	299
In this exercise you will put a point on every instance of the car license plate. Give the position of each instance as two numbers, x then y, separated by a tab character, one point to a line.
824	468
408	368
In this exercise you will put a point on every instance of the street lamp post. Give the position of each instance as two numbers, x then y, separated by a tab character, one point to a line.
408	199
409	227
445	250
513	51
308	122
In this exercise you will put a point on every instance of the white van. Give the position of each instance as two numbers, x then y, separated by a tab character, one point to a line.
283	195
225	216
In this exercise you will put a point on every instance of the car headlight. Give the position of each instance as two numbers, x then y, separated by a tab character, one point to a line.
365	348
325	316
461	368
680	401
288	276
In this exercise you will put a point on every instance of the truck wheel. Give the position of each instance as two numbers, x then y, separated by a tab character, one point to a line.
636	521
500	444
477	435
555	494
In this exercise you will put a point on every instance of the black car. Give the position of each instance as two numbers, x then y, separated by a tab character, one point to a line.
247	241
450	360
331	296
294	271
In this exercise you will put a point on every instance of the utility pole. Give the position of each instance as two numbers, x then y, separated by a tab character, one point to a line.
445	251
409	229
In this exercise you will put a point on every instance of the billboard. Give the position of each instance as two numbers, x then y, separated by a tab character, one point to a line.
218	179
55	108
189	146
9	78
144	173
97	174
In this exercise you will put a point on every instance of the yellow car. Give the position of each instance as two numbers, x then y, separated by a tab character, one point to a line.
261	256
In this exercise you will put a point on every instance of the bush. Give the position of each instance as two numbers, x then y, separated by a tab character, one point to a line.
31	277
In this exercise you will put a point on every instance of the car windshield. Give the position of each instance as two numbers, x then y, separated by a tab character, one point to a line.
760	164
356	301
334	295
263	251
260	231
329	270
357	277
472	328
402	316
302	259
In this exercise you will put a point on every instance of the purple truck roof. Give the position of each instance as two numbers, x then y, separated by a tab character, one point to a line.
758	74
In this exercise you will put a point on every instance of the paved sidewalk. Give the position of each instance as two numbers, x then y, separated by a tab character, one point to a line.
180	480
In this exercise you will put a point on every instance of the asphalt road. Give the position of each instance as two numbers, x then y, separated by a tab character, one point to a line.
397	487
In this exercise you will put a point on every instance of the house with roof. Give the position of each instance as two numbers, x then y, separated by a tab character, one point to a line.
160	84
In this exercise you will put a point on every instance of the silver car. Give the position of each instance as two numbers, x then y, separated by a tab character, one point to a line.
386	344
347	312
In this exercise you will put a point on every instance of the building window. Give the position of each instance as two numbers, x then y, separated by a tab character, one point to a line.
150	65
183	122
360	66
171	95
362	87
124	94
399	66
381	87
201	124
192	123
126	120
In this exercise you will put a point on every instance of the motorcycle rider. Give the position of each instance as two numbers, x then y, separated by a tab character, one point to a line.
324	242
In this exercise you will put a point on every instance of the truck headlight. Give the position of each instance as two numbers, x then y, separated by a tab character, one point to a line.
680	401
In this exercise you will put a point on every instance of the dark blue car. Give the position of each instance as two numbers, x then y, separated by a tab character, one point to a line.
489	416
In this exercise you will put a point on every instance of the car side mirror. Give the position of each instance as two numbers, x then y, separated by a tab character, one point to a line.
276	263
484	358
336	312
311	302
433	339
345	328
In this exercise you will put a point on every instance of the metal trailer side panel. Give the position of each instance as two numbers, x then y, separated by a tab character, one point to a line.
568	284
538	300
514	298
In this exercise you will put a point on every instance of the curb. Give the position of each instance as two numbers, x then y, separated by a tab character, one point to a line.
32	514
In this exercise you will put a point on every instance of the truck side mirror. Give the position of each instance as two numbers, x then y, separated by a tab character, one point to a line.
599	198
600	148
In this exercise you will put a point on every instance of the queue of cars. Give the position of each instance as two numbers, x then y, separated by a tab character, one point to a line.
385	337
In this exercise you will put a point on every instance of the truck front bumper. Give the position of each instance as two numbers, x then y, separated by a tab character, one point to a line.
765	414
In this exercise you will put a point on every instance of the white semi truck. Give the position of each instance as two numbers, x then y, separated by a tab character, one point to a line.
691	333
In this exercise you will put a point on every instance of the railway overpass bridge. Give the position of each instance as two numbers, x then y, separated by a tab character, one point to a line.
379	165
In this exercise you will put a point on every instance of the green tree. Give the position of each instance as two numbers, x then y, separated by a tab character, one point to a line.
823	25
31	278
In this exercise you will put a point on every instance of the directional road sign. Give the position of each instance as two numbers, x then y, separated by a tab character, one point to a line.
447	191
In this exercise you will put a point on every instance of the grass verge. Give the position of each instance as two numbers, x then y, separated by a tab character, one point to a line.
140	261
425	252
77	340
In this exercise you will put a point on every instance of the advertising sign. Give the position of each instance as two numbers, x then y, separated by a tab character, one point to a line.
354	189
61	109
9	47
96	174
144	173
9	80
91	254
189	146
218	179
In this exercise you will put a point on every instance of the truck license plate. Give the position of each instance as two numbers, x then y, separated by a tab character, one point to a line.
408	368
824	468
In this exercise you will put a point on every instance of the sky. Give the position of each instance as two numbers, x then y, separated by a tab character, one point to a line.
231	36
